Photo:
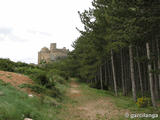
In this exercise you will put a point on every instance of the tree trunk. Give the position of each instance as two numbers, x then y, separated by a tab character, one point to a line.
122	73
140	74
132	74
158	52
105	75
155	84
114	75
144	78
150	77
91	81
101	81
95	79
109	75
126	73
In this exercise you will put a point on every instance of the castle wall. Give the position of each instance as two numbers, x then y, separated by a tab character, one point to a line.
52	54
43	56
53	46
58	54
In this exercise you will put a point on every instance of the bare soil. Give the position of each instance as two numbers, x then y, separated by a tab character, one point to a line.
16	80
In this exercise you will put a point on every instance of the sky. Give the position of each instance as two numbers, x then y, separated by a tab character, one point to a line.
28	25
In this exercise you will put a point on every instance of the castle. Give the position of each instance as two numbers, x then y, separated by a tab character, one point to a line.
46	55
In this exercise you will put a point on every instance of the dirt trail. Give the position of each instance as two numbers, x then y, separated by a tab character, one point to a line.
74	90
88	108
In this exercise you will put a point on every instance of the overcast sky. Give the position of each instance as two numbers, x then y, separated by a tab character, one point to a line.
28	25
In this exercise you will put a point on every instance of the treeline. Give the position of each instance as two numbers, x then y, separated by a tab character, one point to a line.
8	65
119	48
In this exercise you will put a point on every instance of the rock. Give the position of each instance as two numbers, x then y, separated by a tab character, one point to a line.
1	93
28	119
30	95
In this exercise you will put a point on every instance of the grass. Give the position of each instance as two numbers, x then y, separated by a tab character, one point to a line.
9	76
74	107
1	74
121	102
16	105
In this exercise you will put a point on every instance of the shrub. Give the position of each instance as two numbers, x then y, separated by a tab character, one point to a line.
35	88
58	79
53	91
143	102
49	100
20	69
53	79
38	75
7	65
93	85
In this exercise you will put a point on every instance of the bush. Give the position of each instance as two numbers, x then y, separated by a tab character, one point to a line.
7	65
49	100
21	70
96	85
40	77
53	91
58	79
143	102
35	88
93	85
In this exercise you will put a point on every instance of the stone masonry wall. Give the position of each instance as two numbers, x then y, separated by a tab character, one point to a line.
46	55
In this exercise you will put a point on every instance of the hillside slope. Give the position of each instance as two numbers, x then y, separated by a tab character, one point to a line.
16	79
16	104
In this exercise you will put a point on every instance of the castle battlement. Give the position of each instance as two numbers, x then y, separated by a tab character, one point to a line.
52	54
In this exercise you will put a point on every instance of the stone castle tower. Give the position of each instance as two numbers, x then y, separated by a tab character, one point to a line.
46	55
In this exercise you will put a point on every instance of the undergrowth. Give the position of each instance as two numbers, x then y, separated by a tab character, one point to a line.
122	102
17	105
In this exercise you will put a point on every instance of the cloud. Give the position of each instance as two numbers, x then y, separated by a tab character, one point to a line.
28	25
9	34
39	32
5	31
16	34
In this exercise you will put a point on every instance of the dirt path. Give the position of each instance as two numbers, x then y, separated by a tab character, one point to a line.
86	106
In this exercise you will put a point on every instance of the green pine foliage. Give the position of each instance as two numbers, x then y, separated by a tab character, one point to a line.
114	25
